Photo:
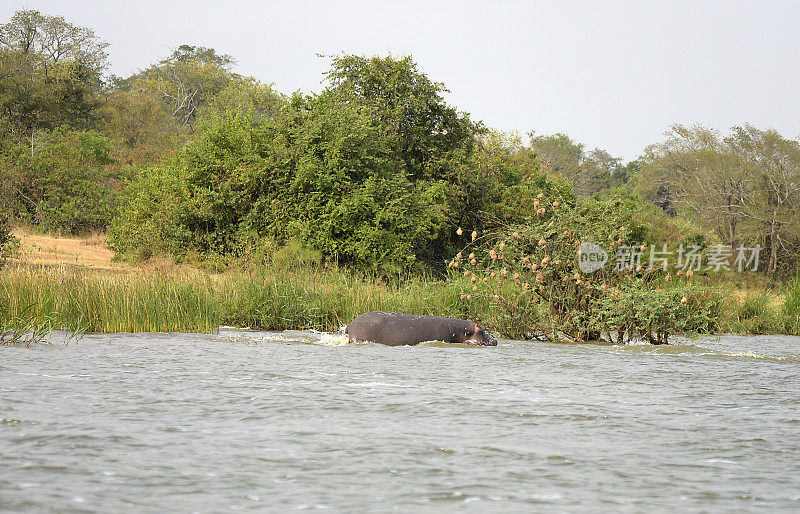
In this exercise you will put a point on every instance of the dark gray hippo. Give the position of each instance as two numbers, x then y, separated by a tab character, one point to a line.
396	329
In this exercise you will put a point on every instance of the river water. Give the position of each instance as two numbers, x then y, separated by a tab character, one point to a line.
245	420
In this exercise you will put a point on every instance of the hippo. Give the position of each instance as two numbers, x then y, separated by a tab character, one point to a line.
397	329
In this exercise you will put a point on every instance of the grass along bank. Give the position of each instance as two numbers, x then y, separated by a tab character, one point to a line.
187	300
193	301
105	302
39	294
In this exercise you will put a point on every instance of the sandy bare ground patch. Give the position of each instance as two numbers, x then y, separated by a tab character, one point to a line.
50	250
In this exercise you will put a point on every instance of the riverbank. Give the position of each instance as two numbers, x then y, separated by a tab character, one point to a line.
74	283
190	300
185	300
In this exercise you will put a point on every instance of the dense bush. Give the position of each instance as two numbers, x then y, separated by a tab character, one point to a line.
653	312
62	183
532	273
150	222
342	173
323	181
8	243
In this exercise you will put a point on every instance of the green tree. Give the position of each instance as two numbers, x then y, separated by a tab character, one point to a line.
772	202
588	172
431	144
50	74
376	171
353	197
184	81
319	175
422	130
141	128
243	96
64	185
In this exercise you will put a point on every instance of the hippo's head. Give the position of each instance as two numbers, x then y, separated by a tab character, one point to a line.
477	336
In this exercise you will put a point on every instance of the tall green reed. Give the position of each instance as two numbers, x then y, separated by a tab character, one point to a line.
791	307
34	301
108	303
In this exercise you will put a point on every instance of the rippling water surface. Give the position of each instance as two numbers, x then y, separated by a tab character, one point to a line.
257	421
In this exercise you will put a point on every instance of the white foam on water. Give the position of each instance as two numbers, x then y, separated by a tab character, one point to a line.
638	342
337	339
752	355
379	384
276	337
548	496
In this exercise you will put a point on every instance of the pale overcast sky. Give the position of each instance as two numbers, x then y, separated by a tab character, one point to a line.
611	74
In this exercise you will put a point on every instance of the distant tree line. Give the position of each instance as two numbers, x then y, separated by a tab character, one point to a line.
190	159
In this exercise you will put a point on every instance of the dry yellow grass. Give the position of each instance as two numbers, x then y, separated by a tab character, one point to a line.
51	250
739	296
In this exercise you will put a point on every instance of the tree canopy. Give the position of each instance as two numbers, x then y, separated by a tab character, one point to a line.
50	73
184	81
377	171
744	187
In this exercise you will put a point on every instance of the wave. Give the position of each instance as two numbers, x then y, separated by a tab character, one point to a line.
756	356
335	339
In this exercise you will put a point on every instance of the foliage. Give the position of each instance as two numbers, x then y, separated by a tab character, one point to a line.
184	81
8	243
150	223
419	127
64	185
50	73
638	310
319	176
351	199
243	96
533	273
324	175
743	187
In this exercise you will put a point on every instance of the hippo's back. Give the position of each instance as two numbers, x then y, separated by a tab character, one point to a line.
395	328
